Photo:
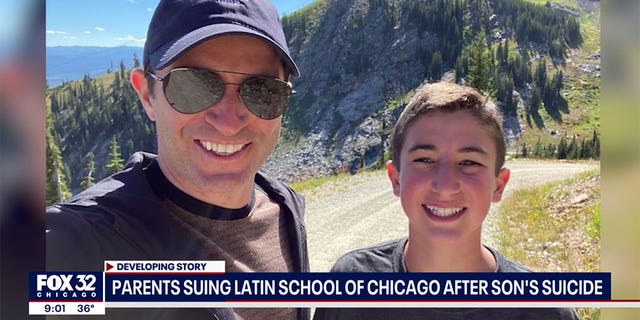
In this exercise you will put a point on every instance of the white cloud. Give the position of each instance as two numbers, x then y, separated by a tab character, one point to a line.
87	32
55	32
149	9
99	29
130	38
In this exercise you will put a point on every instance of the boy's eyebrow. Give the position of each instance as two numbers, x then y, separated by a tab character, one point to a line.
430	147
474	149
427	147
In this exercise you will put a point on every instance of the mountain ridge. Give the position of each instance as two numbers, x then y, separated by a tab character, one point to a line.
360	62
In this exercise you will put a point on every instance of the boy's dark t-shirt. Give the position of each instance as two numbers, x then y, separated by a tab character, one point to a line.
387	257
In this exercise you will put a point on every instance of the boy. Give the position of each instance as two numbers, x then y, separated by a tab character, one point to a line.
448	154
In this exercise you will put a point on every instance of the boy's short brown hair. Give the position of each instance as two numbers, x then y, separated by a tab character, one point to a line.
449	97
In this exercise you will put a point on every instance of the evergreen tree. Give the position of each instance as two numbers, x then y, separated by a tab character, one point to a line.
435	68
525	151
573	35
540	76
88	172
461	66
57	189
500	54
585	150
123	71
573	151
136	62
551	149
536	101
595	146
562	149
537	151
115	159
480	67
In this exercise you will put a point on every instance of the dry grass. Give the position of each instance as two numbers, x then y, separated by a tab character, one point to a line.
555	228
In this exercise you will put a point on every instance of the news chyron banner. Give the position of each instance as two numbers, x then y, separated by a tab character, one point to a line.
175	284
85	293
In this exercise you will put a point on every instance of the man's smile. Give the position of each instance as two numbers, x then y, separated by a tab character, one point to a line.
221	149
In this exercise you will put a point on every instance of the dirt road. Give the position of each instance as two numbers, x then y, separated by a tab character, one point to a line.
361	210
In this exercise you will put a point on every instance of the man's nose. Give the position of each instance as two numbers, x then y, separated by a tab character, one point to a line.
229	115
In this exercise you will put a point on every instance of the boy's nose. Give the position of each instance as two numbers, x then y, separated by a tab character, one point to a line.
229	116
445	179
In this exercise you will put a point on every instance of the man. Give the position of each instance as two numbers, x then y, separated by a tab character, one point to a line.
215	82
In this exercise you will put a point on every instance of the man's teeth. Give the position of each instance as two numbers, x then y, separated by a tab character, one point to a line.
444	212
222	149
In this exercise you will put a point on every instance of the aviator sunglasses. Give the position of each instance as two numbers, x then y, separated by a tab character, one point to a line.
190	90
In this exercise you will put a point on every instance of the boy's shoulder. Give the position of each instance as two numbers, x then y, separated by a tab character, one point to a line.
387	257
505	264
382	257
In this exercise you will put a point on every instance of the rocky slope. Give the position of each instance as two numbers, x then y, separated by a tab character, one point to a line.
358	68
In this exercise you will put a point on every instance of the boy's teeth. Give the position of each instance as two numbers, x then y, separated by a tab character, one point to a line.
444	212
221	149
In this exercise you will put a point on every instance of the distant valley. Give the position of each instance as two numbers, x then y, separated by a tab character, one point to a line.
74	62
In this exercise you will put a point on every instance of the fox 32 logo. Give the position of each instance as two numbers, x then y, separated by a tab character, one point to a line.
65	286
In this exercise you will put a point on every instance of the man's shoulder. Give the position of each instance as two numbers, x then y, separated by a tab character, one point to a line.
86	227
263	180
130	181
280	192
382	257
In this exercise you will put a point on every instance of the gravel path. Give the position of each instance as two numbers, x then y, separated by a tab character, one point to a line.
361	210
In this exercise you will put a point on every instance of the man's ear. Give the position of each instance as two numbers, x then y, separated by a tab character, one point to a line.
394	177
139	84
501	183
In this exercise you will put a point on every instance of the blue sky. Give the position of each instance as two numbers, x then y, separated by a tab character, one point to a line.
109	23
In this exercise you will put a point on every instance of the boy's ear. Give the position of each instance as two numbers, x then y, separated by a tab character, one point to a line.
501	183
139	84
394	177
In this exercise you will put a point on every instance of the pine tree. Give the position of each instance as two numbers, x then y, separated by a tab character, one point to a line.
536	101
123	71
551	149
573	149
525	151
585	150
460	67
57	189
537	151
540	76
115	159
136	62
595	146
435	68
88	171
480	67
562	149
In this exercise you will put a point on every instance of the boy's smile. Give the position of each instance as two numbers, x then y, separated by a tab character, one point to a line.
443	213
447	179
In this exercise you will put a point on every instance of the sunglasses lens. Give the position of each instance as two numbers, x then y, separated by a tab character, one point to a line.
192	90
267	98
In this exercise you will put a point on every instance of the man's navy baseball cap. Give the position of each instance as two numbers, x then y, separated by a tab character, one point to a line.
179	25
